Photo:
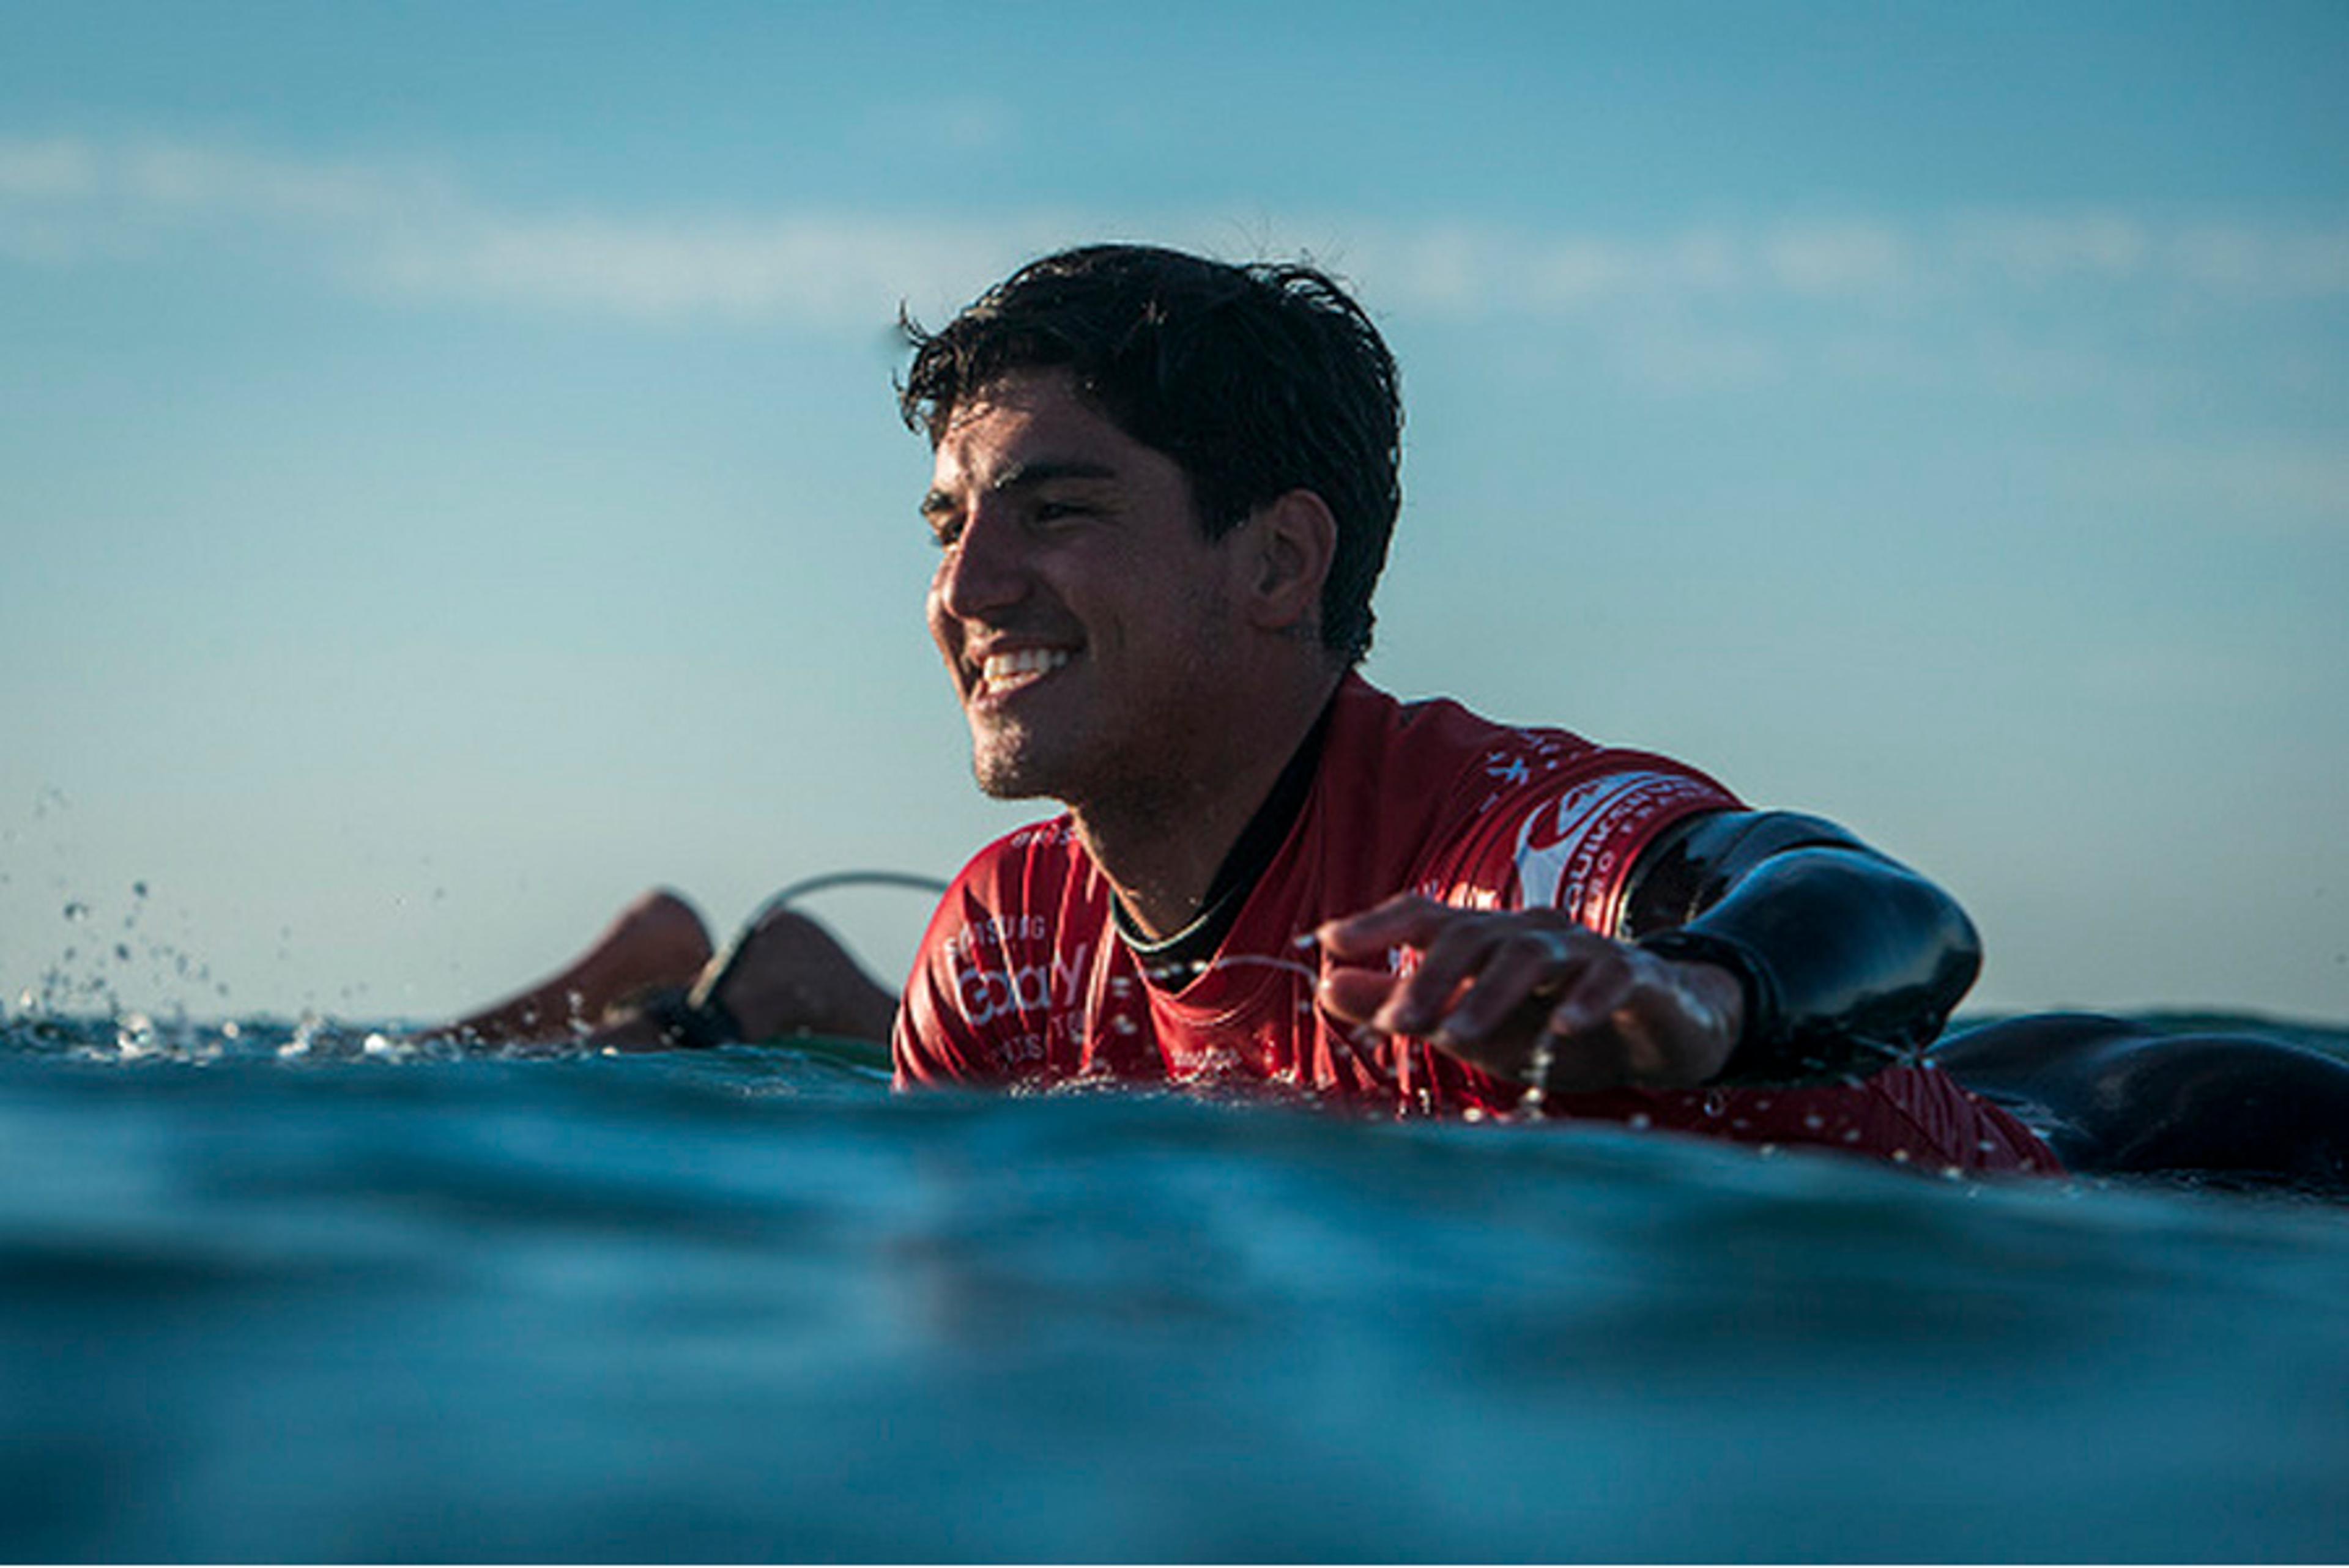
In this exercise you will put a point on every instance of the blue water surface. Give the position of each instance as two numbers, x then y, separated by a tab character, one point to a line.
269	1292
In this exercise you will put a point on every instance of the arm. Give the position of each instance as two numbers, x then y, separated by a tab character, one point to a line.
1846	959
1760	947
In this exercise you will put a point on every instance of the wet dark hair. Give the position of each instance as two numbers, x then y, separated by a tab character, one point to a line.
1256	380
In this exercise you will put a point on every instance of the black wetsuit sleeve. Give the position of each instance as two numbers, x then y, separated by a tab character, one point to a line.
1849	960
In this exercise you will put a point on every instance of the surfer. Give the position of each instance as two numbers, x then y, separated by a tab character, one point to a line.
1164	489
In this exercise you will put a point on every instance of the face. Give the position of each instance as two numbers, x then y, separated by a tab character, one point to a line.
1088	626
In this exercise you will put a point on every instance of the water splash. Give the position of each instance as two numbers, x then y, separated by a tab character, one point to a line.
382	1048
1359	1041
134	1036
305	1037
1190	971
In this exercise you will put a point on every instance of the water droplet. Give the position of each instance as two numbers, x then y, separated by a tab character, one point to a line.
1544	1058
77	910
134	1036
305	1035
1814	1121
139	890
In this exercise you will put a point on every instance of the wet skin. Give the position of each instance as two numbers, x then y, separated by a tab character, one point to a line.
1532	996
1090	627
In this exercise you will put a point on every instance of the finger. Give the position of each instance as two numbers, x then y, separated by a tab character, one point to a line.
1454	953
1356	995
1407	920
1591	1031
1592	993
1531	963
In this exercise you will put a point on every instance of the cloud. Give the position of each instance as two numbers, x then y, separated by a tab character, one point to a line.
2247	263
2287	485
1844	258
420	234
814	270
416	233
50	170
1857	262
2042	250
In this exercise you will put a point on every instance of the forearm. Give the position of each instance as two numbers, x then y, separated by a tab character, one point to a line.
1847	959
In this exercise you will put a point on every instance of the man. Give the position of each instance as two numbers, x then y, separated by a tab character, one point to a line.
1164	489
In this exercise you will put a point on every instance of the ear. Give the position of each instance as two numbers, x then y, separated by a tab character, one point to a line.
1292	541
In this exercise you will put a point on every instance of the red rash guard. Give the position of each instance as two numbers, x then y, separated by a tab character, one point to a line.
1022	980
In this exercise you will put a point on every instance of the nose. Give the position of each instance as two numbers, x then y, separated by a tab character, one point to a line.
984	570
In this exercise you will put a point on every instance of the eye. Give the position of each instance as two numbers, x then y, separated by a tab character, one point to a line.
946	529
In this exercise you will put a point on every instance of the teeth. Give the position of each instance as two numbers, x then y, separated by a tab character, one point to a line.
1002	668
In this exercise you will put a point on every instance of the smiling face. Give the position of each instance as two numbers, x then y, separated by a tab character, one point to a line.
1091	629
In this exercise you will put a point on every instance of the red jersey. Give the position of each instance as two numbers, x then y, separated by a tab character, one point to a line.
1023	980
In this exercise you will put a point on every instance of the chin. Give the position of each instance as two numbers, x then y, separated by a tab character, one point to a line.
998	784
1012	759
1006	773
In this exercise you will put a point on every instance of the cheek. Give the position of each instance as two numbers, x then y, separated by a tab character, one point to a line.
934	611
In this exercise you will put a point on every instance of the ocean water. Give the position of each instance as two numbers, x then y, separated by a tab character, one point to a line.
272	1293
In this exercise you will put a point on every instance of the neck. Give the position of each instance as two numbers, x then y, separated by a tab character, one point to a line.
1161	849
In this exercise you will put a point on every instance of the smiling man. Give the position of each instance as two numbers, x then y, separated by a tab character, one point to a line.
1162	492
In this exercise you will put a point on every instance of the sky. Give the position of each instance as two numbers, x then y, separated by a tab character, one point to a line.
451	482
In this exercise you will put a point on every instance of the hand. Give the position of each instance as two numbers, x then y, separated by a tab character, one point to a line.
1530	997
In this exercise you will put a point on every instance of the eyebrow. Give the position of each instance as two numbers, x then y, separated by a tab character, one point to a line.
1025	475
